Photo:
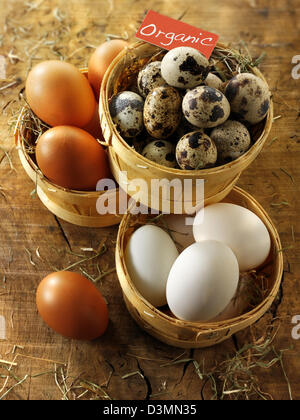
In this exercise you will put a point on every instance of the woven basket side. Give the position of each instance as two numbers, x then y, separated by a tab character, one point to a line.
187	334
124	158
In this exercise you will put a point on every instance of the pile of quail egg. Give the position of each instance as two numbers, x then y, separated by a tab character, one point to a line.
182	115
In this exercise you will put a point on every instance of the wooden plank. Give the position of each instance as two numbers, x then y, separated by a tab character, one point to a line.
127	362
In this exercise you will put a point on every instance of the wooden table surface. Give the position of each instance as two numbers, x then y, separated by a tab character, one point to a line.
126	363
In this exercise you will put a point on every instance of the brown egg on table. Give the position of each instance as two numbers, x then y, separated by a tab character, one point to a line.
59	94
100	61
72	306
72	158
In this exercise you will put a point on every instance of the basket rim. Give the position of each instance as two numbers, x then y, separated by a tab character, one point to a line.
183	172
205	327
226	190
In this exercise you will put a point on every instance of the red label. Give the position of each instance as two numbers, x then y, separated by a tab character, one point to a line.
169	33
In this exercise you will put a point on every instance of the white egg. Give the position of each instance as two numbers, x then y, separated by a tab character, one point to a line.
239	228
202	281
149	256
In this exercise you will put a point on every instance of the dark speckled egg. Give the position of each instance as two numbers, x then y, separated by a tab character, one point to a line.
249	97
126	110
149	78
205	107
162	112
232	140
196	151
161	152
184	67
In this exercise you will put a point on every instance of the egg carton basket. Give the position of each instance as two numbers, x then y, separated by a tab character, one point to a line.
161	324
76	207
219	181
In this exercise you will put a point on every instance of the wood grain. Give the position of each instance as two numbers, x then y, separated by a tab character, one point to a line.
126	361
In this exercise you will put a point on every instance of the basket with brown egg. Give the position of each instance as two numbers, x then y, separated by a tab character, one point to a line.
59	138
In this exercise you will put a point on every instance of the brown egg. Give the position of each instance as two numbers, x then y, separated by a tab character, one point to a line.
100	61
72	305
59	94
71	158
93	127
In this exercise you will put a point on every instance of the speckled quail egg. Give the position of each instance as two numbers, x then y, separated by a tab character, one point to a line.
126	110
213	81
184	67
149	78
232	140
249	96
196	151
161	152
205	107
162	112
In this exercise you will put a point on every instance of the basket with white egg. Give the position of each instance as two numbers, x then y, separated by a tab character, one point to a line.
204	294
126	151
77	207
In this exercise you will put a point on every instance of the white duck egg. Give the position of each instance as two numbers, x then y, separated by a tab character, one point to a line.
149	256
202	281
239	228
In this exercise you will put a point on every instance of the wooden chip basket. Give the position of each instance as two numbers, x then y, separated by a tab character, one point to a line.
218	181
166	328
76	207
